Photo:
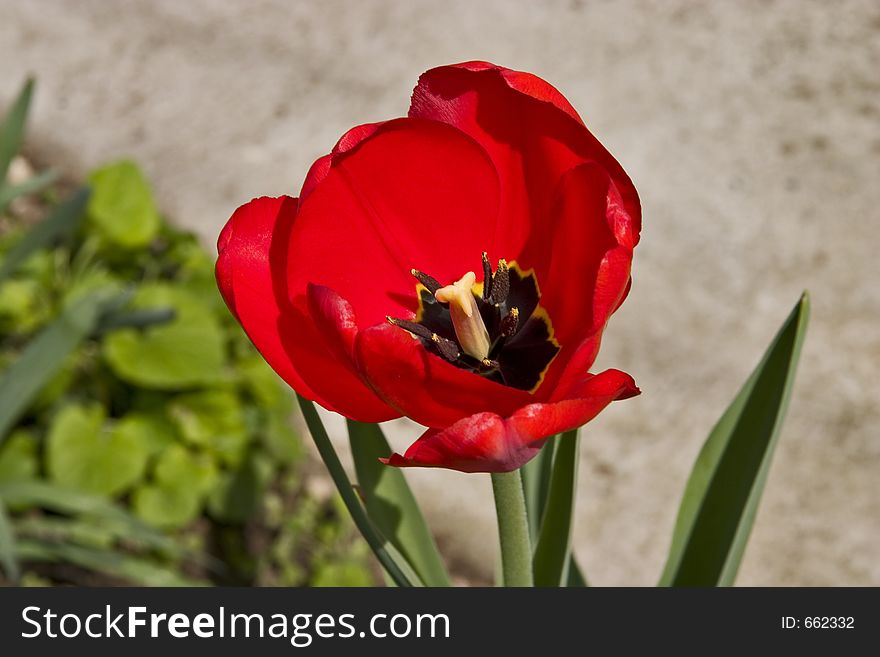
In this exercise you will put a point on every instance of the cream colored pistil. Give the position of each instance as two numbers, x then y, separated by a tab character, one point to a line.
469	328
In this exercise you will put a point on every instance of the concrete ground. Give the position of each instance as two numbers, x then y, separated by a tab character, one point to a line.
749	128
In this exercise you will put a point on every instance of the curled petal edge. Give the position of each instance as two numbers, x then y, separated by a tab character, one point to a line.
487	442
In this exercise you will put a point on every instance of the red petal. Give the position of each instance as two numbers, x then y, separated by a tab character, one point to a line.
251	274
321	167
591	269
425	387
486	442
412	194
532	135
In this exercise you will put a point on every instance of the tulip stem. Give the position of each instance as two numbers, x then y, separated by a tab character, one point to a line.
513	529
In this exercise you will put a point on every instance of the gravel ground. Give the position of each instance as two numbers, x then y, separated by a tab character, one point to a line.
750	129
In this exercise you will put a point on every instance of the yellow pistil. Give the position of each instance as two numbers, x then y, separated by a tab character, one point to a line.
469	327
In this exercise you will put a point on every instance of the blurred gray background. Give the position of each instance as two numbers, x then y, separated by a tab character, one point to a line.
751	129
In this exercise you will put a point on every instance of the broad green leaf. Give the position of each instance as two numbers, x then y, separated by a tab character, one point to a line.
152	429
553	550
187	352
115	563
8	558
166	506
9	193
391	505
61	222
18	456
725	485
178	466
84	454
212	419
122	209
396	565
45	356
12	128
536	484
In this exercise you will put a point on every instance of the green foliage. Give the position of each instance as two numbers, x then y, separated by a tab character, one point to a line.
86	453
722	494
135	416
390	504
122	211
552	555
187	352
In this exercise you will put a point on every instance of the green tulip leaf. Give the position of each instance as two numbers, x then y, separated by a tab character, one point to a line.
23	494
186	352
61	222
553	550
395	564
725	485
391	505
46	355
32	185
536	484
115	563
122	209
84	453
12	128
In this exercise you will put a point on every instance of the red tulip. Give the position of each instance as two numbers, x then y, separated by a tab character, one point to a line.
360	293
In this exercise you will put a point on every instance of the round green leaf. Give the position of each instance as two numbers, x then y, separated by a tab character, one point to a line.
186	352
166	506
121	207
179	467
84	453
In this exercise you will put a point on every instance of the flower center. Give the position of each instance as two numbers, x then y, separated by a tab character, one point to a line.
496	328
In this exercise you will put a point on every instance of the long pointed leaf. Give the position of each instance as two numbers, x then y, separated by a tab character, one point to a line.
8	558
109	562
576	577
45	355
389	556
72	502
536	484
391	505
725	485
553	550
12	129
9	193
63	221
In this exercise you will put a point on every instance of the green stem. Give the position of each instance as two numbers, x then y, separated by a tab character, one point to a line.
513	528
388	555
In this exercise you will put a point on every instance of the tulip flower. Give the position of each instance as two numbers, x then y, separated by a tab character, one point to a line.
457	266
